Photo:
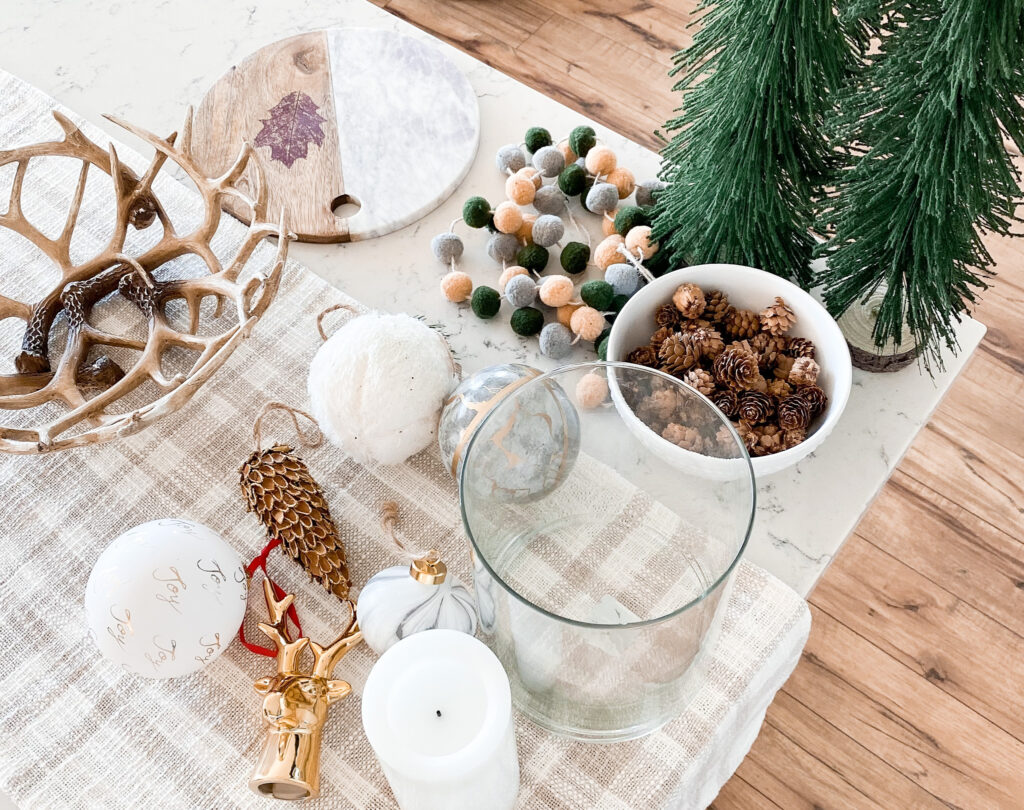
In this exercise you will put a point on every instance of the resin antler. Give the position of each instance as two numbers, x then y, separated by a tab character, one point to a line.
83	366
295	704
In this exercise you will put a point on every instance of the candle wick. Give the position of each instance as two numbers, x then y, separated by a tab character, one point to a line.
438	712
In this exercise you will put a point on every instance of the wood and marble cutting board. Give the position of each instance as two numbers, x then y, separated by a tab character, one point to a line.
341	118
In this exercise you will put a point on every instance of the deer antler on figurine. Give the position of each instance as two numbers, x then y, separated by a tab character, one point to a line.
295	704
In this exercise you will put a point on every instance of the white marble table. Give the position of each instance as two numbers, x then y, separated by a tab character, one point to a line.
147	62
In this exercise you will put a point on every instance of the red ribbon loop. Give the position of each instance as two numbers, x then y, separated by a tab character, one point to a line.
260	561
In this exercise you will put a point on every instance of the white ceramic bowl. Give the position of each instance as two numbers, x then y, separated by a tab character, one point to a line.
750	289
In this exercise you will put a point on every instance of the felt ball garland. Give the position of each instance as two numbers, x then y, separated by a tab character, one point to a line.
577	173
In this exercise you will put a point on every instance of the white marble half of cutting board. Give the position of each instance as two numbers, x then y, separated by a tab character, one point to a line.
359	131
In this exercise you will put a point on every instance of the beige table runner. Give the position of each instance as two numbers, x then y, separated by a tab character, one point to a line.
82	734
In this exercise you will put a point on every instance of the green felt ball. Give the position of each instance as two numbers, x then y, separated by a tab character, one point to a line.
597	294
618	302
629	217
574	258
527	321
602	348
533	257
603	336
486	302
537	138
476	212
572	179
582	140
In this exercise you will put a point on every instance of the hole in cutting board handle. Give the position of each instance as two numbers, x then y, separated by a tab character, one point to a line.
345	206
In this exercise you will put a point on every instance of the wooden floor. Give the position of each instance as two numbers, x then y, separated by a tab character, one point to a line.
910	693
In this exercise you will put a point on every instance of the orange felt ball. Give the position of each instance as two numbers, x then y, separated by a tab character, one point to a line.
587	322
601	160
457	286
508	218
607	252
639	239
509	273
591	390
520	190
532	175
564	314
525	231
608	223
567	153
623	180
556	291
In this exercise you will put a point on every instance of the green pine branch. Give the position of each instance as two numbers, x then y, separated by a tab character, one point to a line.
748	157
930	173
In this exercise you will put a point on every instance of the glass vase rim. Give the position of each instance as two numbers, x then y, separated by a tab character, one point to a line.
595	364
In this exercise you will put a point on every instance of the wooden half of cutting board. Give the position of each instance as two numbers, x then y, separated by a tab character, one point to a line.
340	119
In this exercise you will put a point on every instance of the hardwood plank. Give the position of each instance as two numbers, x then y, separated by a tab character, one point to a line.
925	734
738	794
639	26
965	653
950	546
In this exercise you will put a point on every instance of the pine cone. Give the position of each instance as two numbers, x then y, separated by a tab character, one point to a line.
660	406
686	437
741	323
749	436
643	356
660	336
689	300
727	402
768	348
779	389
736	368
794	413
769	440
278	487
708	341
777	318
755	407
804	371
783	365
813	396
800	347
700	380
694	324
791	438
716	305
668	315
679	353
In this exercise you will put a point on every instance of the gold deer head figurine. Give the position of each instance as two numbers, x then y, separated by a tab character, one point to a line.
295	705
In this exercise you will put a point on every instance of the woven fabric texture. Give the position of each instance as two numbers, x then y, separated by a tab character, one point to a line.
83	734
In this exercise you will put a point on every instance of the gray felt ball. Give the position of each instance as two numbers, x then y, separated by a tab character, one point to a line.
503	247
549	200
624	278
510	158
446	246
549	161
555	341
547	230
582	163
521	291
602	197
645	191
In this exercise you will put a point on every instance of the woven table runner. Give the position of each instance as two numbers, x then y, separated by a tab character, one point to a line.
83	734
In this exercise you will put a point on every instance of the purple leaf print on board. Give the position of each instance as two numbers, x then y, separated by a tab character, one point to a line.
294	122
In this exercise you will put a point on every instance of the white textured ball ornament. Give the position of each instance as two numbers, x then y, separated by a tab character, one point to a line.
165	598
602	197
624	278
509	158
547	230
521	291
376	387
549	160
556	291
549	200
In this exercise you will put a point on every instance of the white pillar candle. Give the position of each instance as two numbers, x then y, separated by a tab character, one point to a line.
437	710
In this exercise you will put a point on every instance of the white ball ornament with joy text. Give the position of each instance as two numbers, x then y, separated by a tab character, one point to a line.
376	387
165	598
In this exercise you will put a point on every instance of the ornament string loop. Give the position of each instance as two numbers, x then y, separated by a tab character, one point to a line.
305	439
388	520
260	562
328	311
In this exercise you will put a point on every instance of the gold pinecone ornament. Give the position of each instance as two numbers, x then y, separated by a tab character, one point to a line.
279	488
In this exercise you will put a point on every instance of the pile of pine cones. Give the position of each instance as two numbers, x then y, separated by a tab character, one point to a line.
744	361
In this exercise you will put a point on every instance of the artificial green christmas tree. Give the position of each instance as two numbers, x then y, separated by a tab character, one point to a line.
748	158
927	171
